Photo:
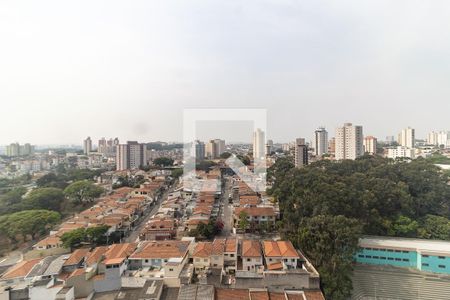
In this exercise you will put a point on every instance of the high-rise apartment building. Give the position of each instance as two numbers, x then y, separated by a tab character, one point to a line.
87	145
332	146
259	145
15	149
439	138
349	142
102	146
199	148
407	138
370	145
215	148
320	142
300	153
269	147
401	152
131	155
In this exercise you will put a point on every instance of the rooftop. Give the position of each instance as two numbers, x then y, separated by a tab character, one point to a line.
420	245
279	249
161	249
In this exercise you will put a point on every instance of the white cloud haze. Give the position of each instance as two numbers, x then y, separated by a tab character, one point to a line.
69	69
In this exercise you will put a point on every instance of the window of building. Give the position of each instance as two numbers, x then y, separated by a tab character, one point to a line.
442	266
197	259
231	255
390	258
171	270
405	259
376	257
405	251
205	259
390	250
398	251
382	257
368	256
425	255
248	259
441	257
425	265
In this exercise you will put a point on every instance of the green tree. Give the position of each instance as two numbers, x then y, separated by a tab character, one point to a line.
28	222
83	191
73	238
92	235
404	227
163	161
243	222
44	198
52	180
435	227
225	155
330	242
176	173
11	201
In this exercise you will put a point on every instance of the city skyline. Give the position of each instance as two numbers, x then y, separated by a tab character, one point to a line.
131	72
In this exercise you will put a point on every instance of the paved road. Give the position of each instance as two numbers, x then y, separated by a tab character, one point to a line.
227	211
134	234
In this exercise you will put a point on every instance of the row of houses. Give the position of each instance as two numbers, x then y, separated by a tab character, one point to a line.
258	209
121	210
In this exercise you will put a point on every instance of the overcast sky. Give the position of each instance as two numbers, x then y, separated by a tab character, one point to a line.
69	69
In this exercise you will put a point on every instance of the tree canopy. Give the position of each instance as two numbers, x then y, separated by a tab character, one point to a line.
163	161
28	222
44	198
92	235
377	196
83	191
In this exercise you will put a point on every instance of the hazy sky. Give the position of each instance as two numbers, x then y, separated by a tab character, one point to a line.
69	69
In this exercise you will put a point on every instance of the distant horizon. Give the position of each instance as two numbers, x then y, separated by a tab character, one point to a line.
70	70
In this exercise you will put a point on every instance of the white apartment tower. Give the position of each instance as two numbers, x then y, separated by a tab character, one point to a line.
259	145
439	138
349	142
131	155
87	145
321	142
407	138
300	153
370	145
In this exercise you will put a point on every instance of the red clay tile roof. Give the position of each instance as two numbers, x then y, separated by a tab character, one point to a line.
218	247
231	245
203	249
95	255
161	249
20	269
277	296
232	294
120	250
76	257
276	266
255	211
314	295
279	249
259	295
251	248
49	241
77	272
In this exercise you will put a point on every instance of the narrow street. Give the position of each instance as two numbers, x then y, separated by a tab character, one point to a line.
134	234
226	211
